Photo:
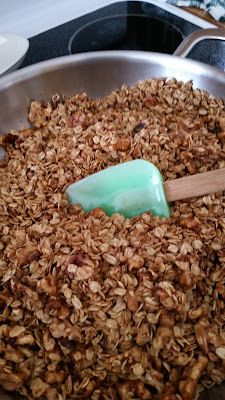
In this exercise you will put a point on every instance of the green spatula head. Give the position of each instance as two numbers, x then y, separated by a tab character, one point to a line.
130	189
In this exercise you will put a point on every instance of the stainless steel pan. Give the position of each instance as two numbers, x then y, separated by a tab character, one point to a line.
97	74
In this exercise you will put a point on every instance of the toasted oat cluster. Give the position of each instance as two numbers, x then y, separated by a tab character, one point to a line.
102	307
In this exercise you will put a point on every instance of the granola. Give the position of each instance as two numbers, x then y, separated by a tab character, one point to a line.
105	307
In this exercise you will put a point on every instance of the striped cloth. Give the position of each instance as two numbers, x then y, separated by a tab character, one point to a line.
216	8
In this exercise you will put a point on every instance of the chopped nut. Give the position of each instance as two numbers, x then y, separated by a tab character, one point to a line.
200	329
143	335
51	394
97	213
49	285
17	330
190	223
150	101
77	118
48	341
122	145
198	368
11	354
27	254
38	387
25	339
188	389
10	381
136	153
54	377
135	262
132	302
221	136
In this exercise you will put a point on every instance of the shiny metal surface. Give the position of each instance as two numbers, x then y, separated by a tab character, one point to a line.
97	74
190	41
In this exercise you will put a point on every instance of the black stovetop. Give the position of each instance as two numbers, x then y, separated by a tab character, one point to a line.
131	25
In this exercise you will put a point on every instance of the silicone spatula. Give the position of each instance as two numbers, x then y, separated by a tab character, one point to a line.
134	187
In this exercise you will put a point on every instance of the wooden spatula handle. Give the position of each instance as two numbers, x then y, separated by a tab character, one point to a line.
195	185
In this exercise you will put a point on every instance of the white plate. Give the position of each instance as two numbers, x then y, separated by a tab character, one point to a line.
13	49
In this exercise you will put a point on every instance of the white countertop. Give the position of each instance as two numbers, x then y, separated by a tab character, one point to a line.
30	17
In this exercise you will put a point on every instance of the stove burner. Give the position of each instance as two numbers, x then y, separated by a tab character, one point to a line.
126	32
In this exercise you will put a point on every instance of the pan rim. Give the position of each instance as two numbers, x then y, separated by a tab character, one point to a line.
53	64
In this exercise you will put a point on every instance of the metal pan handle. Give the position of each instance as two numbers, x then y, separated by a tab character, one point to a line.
191	40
